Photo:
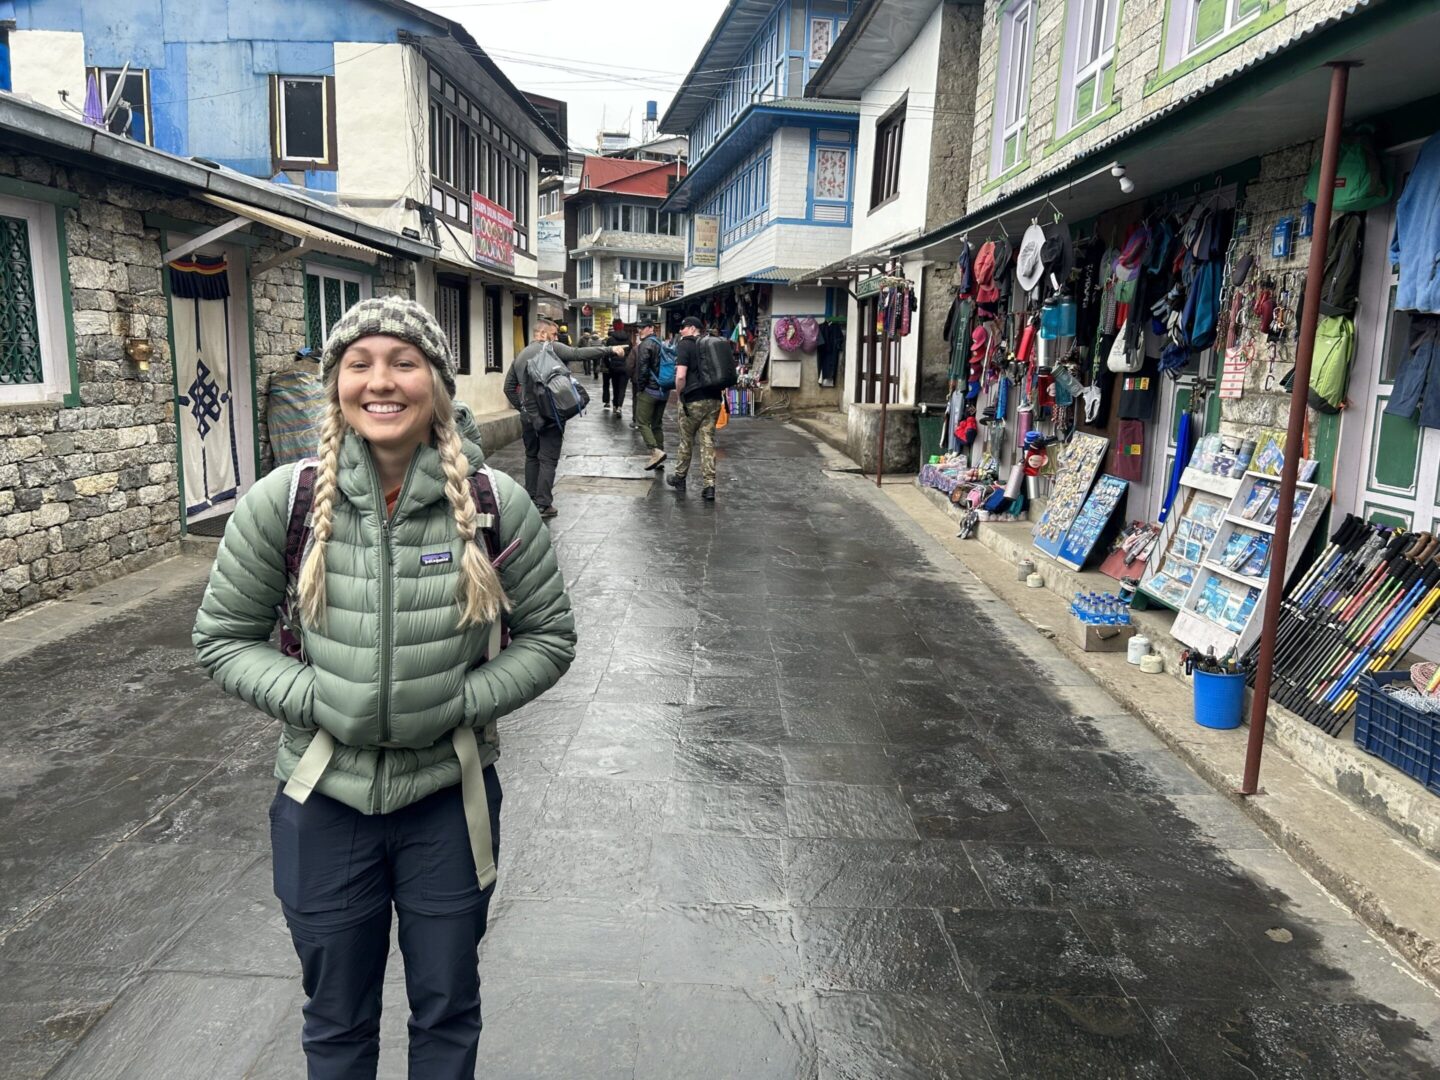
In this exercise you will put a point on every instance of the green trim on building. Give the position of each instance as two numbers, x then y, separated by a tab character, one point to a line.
1009	174
72	398
1266	19
24	189
174	383
1109	106
254	371
1108	113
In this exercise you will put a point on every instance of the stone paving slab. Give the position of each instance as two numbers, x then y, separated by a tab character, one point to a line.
809	805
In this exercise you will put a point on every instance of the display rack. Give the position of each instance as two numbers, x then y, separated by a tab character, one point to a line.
1223	605
1202	497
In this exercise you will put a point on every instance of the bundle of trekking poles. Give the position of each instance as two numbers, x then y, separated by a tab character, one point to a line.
1365	602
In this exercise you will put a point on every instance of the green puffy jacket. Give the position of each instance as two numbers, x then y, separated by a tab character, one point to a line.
389	676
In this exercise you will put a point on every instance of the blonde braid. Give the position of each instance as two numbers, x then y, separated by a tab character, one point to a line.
322	513
480	595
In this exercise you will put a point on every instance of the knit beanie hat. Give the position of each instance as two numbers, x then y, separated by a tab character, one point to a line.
397	317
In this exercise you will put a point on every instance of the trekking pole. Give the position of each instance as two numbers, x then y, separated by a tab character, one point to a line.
1348	610
1305	602
1320	621
1403	612
1420	620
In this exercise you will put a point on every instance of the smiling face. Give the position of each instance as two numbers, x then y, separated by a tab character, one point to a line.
387	392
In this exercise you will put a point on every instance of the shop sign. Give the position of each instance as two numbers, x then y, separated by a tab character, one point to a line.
705	248
494	229
587	310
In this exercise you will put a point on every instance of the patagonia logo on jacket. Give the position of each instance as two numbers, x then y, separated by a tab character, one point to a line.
435	558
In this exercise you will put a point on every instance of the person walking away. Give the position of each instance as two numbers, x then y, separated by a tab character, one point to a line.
650	396
699	410
542	435
614	376
387	692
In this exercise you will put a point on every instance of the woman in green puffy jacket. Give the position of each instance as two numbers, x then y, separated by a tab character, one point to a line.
389	796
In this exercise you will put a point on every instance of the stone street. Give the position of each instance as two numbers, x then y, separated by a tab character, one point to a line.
810	803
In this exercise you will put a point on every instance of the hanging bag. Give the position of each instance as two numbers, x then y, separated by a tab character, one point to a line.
1361	180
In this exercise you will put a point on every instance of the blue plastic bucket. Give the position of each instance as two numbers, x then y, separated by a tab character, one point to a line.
1219	699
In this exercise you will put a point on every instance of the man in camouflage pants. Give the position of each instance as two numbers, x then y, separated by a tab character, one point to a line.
699	410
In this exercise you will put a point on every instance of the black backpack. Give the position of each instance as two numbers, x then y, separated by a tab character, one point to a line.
1341	288
717	369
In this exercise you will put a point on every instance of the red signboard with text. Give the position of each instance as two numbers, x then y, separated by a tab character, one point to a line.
494	229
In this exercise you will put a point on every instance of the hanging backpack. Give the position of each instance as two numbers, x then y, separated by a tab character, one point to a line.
1361	180
557	395
665	373
717	369
1341	287
1330	373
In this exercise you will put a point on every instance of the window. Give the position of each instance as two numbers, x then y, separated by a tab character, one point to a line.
585	271
586	220
131	117
34	340
821	36
329	293
638	272
469	152
1207	21
832	173
494	347
1012	105
742	200
302	109
452	312
1088	70
758	75
626	217
889	139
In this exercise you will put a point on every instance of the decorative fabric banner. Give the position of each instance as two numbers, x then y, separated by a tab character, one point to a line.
208	448
200	277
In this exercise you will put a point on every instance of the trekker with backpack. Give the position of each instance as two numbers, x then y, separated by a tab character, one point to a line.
655	367
614	379
704	368
419	601
538	375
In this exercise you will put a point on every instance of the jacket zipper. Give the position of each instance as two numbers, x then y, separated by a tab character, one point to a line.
387	600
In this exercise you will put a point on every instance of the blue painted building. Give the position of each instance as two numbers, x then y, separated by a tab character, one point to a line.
388	111
772	173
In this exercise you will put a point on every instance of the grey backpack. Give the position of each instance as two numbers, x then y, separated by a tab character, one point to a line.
557	395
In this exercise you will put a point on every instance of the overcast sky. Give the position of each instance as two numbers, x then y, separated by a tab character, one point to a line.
605	57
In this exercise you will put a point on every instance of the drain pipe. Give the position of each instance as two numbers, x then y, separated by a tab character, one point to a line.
1294	432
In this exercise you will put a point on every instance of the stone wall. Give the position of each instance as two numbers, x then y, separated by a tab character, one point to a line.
92	492
1138	67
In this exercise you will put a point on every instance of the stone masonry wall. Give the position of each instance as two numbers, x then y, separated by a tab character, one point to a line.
90	493
1138	62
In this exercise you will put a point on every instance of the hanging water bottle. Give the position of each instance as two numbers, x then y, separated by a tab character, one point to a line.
1050	320
1066	314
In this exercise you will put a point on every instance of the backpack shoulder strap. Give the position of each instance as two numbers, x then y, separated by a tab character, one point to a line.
302	498
487	507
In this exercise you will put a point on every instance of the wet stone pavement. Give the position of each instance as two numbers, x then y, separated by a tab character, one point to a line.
810	804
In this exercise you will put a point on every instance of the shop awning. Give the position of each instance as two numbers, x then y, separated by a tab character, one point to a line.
1277	100
310	237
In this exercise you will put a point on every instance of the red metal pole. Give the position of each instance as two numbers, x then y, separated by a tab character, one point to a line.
884	401
1294	432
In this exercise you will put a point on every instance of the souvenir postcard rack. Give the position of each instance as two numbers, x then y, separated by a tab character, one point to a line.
1223	606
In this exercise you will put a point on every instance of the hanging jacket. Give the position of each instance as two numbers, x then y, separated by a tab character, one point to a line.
1415	248
389	676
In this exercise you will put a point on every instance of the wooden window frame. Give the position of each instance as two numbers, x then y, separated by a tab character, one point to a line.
331	160
494	333
491	161
889	147
460	284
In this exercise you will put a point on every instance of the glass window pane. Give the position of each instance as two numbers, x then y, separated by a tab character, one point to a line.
303	107
20	357
352	294
334	305
1209	20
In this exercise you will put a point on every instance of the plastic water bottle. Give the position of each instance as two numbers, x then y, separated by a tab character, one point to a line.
1075	604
